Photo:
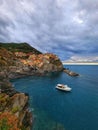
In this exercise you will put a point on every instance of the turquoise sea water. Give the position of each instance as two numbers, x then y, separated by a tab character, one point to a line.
56	110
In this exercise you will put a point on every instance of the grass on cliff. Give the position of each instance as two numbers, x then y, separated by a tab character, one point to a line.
19	47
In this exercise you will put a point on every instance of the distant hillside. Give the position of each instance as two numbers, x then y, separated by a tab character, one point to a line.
19	47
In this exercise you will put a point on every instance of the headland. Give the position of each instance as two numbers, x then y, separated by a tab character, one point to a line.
16	61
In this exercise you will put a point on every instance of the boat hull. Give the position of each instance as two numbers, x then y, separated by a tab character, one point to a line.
64	89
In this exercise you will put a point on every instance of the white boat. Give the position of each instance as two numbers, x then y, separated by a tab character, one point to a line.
63	87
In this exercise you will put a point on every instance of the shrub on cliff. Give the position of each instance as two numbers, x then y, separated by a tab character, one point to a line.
8	121
6	57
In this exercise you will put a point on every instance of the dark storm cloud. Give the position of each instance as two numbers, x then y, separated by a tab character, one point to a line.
65	27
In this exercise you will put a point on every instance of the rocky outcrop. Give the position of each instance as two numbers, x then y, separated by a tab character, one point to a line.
19	64
70	73
14	104
33	65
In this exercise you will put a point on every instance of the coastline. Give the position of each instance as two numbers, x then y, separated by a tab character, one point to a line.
87	63
16	63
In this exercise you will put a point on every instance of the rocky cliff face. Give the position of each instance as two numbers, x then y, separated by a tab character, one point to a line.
43	63
18	64
14	108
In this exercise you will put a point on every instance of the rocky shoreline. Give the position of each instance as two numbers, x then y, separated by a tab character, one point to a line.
14	106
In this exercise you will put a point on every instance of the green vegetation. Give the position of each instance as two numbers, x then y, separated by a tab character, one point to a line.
23	128
6	57
8	121
4	125
15	109
19	47
4	99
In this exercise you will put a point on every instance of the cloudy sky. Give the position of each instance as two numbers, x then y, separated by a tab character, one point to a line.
68	28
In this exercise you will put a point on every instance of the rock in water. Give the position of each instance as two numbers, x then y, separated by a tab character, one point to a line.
70	73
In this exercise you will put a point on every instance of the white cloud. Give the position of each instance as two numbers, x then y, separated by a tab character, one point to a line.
83	59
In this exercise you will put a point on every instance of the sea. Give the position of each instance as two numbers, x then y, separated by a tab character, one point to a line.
56	110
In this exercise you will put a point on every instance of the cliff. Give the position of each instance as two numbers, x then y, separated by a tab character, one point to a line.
18	60
17	64
14	108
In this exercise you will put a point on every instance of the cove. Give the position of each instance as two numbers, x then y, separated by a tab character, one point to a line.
56	110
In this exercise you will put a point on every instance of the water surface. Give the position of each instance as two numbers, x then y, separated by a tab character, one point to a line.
56	110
